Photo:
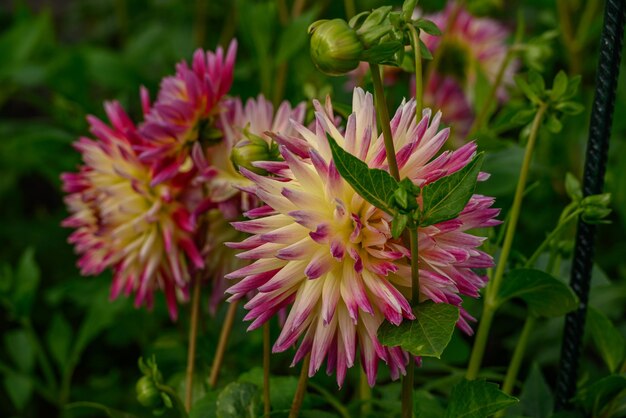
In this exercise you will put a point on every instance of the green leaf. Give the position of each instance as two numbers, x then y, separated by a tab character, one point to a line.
59	338
398	224
205	407
544	295
425	52
572	87
536	83
20	348
607	339
445	198
26	282
407	9
553	124
238	400
573	188
570	108
477	399
428	26
294	37
559	86
425	405
382	53
427	335
523	116
597	395
526	89
282	388
536	398
374	185
19	387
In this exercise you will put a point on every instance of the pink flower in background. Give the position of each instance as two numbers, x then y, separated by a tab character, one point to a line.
145	233
471	45
185	111
445	94
318	246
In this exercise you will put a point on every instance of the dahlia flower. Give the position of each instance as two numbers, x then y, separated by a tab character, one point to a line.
144	232
471	45
185	111
318	246
445	93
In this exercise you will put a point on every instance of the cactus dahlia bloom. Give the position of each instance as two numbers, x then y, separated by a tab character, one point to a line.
318	246
144	232
471	45
185	111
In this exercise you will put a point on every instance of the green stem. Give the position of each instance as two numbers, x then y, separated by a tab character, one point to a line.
365	394
518	356
301	389
417	54
555	232
484	110
266	369
342	410
193	336
200	22
407	389
567	35
350	8
408	380
227	326
490	304
383	118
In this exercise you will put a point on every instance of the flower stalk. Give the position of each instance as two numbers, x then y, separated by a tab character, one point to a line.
301	389
419	86
193	336
266	370
222	343
383	117
490	304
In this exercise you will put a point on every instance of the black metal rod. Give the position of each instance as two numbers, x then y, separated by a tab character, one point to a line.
593	182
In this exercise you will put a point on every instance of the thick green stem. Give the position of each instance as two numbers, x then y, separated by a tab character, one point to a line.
301	389
266	369
518	355
550	238
350	8
490	304
383	119
417	54
365	394
222	343
407	389
193	336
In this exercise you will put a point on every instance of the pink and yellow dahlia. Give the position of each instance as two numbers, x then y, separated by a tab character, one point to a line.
471	45
318	246
187	107
145	233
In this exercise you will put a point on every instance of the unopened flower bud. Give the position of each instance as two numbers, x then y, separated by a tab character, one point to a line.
147	393
335	46
251	149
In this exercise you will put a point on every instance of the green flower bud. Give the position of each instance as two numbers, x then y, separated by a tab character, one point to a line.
251	149
335	46
147	393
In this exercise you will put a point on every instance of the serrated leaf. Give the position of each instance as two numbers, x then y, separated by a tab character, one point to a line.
559	85
544	295
427	335
26	282
477	399
595	396
238	400
374	185
445	198
607	339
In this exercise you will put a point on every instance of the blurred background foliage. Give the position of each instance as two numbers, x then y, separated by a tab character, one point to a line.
63	341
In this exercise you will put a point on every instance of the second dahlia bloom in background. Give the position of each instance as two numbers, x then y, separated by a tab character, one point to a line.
469	46
319	247
145	233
